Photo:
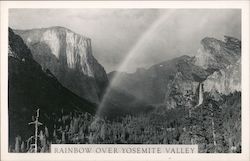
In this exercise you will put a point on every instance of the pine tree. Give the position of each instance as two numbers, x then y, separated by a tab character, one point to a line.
36	123
55	138
42	139
46	132
17	144
22	147
103	131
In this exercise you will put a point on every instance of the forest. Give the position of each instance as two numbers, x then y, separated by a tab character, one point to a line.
215	126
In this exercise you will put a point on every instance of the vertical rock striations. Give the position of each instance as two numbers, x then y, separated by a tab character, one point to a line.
69	57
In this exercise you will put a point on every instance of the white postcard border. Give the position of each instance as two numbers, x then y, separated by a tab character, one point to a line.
243	5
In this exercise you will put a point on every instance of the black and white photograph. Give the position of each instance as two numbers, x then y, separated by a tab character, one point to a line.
125	76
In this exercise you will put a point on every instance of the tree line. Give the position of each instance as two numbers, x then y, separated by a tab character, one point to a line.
215	126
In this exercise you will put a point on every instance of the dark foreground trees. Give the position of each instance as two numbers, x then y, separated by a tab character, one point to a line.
215	126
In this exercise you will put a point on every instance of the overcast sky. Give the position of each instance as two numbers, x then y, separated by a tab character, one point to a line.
115	32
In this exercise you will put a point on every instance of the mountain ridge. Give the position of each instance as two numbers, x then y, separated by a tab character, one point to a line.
169	81
69	57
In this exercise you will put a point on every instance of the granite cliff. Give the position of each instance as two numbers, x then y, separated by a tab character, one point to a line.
69	57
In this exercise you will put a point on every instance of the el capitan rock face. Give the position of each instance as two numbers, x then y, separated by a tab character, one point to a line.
69	57
30	88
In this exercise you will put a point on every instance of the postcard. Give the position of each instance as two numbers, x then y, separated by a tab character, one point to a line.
125	80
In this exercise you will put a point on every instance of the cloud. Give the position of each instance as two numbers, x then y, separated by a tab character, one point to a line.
115	31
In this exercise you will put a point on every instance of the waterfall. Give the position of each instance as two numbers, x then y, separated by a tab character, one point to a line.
200	94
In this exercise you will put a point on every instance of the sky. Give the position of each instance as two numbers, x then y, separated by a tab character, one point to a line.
141	37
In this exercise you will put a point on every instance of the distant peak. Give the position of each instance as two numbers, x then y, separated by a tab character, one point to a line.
231	39
209	40
183	58
59	27
227	39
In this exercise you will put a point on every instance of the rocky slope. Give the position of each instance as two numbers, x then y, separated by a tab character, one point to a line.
176	82
154	85
225	81
29	88
216	54
223	57
69	57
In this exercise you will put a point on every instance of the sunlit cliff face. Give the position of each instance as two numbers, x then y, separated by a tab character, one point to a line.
77	47
69	57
